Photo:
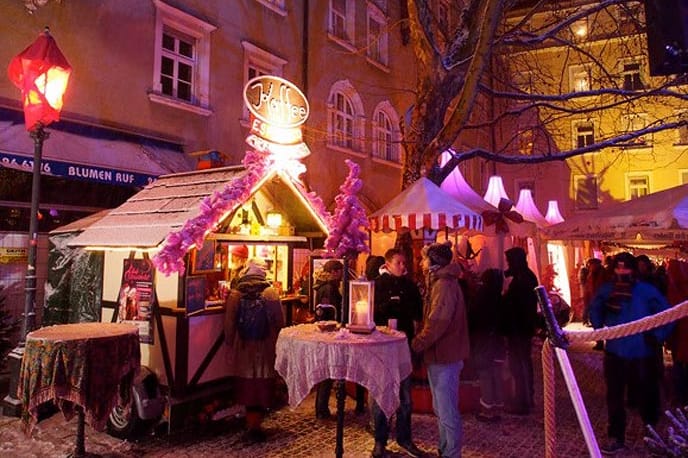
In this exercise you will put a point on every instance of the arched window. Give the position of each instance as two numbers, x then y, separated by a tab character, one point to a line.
386	133
345	120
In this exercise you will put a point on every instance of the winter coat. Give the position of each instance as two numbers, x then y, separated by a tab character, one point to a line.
443	338
252	358
644	300
484	315
398	297
520	301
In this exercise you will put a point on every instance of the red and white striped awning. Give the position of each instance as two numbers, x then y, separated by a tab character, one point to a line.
423	205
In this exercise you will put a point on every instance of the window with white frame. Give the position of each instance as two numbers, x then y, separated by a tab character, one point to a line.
345	116
584	134
443	13
586	192
579	78
278	6
181	75
523	80
377	35
630	72
386	134
630	13
341	21
634	123
259	62
637	185
683	130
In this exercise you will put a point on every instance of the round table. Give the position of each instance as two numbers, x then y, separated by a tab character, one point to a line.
80	367
379	361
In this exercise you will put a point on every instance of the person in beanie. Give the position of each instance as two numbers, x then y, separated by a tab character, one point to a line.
252	362
520	323
443	342
629	361
239	258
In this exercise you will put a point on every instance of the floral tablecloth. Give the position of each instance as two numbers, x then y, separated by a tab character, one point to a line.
378	361
78	364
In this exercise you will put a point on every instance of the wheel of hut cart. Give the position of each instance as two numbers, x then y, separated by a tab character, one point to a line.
125	420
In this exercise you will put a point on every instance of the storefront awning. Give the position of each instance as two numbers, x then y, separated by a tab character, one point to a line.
96	154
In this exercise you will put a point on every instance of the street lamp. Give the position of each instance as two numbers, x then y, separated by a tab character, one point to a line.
41	72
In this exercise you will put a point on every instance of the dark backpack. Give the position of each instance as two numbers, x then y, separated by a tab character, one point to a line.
253	321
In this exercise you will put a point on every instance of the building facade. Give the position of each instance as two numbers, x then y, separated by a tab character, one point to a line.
157	86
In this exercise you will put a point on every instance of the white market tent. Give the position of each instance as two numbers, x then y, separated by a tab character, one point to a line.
658	217
423	205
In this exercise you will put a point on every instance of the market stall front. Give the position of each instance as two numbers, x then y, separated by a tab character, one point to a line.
170	251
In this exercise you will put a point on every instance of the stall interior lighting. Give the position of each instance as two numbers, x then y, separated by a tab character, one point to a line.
273	219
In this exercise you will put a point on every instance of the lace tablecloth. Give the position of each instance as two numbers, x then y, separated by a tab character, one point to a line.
78	364
378	361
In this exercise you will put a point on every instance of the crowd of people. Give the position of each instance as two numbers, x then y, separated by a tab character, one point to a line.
493	319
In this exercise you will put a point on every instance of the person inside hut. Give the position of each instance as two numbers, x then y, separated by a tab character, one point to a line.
253	319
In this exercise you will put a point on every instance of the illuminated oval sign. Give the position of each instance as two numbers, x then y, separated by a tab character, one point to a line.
277	101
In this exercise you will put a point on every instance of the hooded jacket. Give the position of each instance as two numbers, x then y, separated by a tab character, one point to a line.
444	336
520	300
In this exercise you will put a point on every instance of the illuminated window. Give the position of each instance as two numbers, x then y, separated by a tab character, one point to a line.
637	185
580	78
630	71
377	35
584	134
345	116
586	192
341	26
682	176
630	14
386	134
579	29
524	81
181	74
258	62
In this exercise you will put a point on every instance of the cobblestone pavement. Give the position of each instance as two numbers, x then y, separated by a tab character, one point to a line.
296	433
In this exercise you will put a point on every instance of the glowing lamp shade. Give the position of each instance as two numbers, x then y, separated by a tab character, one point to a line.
495	190
526	207
553	216
41	72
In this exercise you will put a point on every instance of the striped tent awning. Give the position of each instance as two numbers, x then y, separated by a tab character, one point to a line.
423	205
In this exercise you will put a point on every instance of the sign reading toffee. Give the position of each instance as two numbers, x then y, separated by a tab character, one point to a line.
276	101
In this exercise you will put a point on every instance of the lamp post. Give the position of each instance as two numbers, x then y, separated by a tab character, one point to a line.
41	72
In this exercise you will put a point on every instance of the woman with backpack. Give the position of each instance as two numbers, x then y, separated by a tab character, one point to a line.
253	319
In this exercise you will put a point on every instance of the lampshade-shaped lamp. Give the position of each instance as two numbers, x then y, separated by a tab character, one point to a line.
495	190
527	208
553	216
41	72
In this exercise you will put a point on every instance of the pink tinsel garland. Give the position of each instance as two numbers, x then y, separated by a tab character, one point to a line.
170	258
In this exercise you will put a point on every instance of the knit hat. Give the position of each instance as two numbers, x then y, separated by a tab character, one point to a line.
240	251
440	254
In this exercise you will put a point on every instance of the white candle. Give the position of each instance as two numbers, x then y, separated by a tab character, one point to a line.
361	312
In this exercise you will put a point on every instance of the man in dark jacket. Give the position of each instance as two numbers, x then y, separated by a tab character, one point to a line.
629	361
396	297
520	319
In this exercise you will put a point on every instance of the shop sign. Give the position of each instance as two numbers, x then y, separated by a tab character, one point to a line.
276	101
11	255
80	172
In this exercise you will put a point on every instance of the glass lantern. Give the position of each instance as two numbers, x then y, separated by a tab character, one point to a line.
361	297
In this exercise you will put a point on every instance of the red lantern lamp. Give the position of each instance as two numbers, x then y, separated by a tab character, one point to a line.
41	72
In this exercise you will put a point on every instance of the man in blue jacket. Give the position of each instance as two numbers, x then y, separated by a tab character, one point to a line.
629	361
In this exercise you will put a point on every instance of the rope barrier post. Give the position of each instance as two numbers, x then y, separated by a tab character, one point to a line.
558	339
